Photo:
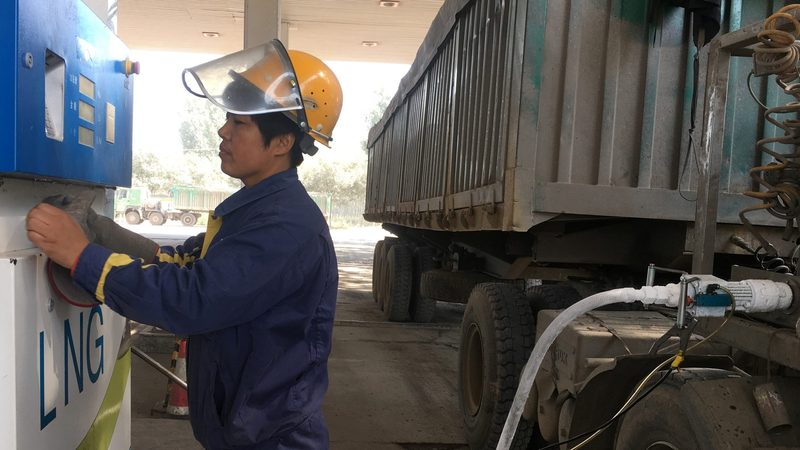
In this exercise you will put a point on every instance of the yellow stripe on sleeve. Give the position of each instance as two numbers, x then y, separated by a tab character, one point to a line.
115	260
178	259
214	223
165	257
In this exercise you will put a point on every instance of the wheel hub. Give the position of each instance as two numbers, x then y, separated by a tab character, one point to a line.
473	370
661	445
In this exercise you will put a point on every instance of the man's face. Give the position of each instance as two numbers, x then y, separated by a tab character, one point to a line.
243	153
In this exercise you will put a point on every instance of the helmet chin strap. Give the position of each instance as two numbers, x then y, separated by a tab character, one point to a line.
307	145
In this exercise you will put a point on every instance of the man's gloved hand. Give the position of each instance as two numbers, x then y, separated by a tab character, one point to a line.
120	240
56	233
102	230
49	229
77	206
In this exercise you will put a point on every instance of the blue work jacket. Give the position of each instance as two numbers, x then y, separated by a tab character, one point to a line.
256	295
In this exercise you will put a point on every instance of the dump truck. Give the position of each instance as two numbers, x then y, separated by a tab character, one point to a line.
185	204
136	205
189	203
129	196
539	153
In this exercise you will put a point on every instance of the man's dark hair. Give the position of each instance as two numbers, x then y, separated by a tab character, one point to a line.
272	125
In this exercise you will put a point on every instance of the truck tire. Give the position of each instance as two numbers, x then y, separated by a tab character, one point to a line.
156	218
551	296
660	422
188	219
497	335
398	283
453	287
653	429
422	308
133	217
383	277
377	263
710	409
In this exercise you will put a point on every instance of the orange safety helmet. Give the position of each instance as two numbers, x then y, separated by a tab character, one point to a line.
321	93
267	79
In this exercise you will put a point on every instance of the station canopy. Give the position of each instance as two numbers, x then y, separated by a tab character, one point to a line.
339	30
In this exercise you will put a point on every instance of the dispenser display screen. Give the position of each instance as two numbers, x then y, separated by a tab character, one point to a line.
65	100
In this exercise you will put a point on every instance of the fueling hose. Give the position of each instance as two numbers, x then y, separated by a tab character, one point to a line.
749	296
540	351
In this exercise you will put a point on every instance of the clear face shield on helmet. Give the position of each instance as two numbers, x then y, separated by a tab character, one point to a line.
257	80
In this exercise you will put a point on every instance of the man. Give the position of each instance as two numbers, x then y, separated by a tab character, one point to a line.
255	293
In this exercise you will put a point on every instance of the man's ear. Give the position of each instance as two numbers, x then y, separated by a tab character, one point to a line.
282	144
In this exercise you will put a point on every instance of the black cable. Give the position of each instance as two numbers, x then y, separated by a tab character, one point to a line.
616	416
752	93
692	112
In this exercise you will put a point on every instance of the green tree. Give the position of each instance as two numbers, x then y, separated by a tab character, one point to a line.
198	130
155	172
375	115
345	182
159	173
197	164
205	172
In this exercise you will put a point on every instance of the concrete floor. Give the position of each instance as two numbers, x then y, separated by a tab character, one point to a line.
392	386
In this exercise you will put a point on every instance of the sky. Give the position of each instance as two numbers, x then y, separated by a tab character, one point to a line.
159	97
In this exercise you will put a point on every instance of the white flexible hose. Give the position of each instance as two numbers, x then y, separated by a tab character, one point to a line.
624	295
749	295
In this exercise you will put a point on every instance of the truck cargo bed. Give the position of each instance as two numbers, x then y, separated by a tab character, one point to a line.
519	111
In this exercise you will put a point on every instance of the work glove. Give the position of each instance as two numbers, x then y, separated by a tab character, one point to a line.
65	288
103	230
120	240
77	206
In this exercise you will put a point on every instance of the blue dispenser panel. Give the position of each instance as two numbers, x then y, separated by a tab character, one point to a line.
65	100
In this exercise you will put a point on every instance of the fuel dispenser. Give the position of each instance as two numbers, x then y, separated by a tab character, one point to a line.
65	128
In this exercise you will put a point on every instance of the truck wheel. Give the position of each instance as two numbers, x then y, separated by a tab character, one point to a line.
133	217
551	296
422	309
497	335
156	218
398	283
383	276
376	269
658	422
188	219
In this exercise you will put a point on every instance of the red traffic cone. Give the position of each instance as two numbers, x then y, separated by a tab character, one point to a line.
177	397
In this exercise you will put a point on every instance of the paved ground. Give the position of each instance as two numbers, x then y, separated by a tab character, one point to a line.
392	386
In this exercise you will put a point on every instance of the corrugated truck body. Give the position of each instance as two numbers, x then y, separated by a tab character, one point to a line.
516	111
